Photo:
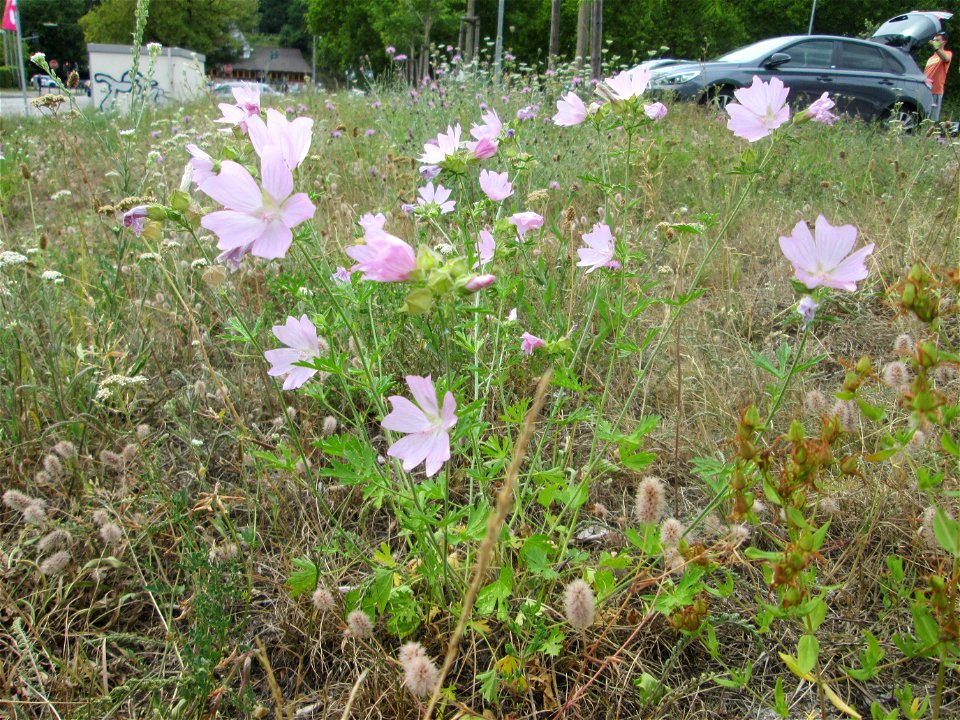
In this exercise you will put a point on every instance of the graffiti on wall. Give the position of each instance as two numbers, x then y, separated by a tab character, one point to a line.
115	88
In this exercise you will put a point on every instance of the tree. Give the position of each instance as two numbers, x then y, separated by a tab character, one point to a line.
55	23
204	26
554	48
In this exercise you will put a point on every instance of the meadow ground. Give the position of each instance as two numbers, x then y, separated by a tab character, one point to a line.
188	539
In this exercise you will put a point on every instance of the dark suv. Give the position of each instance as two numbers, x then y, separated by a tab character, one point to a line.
872	79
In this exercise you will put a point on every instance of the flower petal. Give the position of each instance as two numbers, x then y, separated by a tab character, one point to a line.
405	416
425	393
234	188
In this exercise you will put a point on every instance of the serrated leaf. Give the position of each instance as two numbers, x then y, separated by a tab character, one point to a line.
304	578
947	532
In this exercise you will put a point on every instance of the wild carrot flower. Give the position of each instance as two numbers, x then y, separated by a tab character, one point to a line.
525	222
300	337
599	250
579	604
655	111
382	257
291	137
825	260
496	186
529	343
651	500
439	196
486	246
570	111
426	425
254	219
247	106
761	110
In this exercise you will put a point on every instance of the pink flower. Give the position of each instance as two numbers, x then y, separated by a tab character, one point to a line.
807	307
491	128
202	164
248	105
529	343
261	218
303	345
496	185
761	110
528	113
134	217
439	196
482	149
628	84
444	146
526	221
825	260
570	110
600	248
486	246
512	315
341	276
400	58
655	111
292	138
383	257
426	426
479	282
819	110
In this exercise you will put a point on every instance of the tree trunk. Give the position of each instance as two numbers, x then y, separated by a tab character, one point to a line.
583	30
596	39
470	44
424	66
554	34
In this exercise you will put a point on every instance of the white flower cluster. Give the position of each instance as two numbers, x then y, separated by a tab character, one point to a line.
118	381
60	195
9	257
52	276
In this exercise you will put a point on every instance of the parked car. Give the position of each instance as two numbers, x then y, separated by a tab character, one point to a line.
872	79
43	81
226	88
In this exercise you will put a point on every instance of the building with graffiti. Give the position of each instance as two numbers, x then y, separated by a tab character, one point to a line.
176	75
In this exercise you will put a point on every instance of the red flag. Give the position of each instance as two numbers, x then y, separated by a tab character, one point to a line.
10	16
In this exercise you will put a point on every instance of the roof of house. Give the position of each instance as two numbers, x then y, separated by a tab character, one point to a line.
274	59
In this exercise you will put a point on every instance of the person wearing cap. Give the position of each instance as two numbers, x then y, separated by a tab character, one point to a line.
936	71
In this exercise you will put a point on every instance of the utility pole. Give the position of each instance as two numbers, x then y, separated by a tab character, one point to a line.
498	50
813	11
313	76
554	47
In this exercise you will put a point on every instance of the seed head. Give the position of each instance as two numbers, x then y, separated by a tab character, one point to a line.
143	431
903	345
54	540
420	676
673	561
579	604
16	500
65	449
323	601
740	534
55	564
129	452
944	374
359	624
651	498
52	466
844	411
815	402
36	512
670	532
329	425
111	459
926	529
896	374
111	533
100	517
409	652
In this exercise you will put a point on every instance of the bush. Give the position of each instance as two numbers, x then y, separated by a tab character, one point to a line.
8	76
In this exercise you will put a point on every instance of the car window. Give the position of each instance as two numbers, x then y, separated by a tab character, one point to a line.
812	54
894	65
854	56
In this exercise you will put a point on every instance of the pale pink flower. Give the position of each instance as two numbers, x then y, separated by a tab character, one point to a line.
479	282
526	221
486	246
655	111
482	149
628	84
819	110
303	345
445	145
134	217
529	343
570	110
438	196
426	425
292	137
491	128
202	164
382	257
261	218
512	315
807	307
599	250
761	110
825	260
496	185
248	105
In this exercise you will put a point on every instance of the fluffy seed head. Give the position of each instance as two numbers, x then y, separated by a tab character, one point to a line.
740	534
111	533
52	466
409	652
359	624
35	512
129	452
944	374
143	431
100	517
65	449
329	425
673	561
579	604
903	345
16	500
926	528
54	540
844	411
111	459
55	564
322	600
420	675
651	498
670	532
895	374
815	402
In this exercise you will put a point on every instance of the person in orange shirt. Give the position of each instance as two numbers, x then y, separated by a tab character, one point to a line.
936	71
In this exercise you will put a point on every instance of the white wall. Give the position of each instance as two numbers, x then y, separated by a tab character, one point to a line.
178	75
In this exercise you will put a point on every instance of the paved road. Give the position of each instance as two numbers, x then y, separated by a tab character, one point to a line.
11	103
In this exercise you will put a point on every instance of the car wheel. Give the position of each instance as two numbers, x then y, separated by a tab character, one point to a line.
720	97
903	119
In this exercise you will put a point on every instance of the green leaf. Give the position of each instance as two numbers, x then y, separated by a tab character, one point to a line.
808	650
947	532
872	412
304	578
780	700
636	461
